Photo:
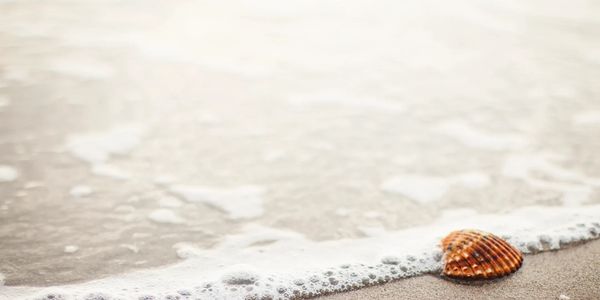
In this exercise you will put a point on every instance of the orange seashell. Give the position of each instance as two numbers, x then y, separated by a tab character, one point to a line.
477	255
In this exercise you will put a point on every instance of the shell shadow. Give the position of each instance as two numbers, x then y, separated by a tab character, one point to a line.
475	282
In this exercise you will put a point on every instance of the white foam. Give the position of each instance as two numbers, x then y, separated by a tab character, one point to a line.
472	137
240	275
421	188
33	185
8	173
98	147
450	214
340	98
564	297
261	261
587	118
111	171
425	189
71	249
85	68
166	216
575	187
80	191
238	202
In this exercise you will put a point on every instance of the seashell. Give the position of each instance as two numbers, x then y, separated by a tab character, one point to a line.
476	255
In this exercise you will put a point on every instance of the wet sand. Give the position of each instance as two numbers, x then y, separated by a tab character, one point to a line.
571	272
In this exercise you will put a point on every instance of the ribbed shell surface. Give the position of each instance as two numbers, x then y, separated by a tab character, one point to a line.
477	255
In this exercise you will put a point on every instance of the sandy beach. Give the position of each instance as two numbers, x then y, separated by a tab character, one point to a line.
571	272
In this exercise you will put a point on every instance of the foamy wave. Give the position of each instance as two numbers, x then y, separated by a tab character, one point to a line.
8	173
262	262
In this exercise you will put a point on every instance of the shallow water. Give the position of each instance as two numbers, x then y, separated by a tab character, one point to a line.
135	135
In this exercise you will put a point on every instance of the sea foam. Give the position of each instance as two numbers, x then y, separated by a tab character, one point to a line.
8	173
475	138
425	189
96	149
163	215
238	202
267	263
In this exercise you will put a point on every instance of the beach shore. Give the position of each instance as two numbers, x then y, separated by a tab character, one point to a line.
572	272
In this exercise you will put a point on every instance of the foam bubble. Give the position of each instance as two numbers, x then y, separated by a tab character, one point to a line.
111	171
238	202
98	296
80	191
33	184
165	216
98	147
71	249
8	173
240	275
390	260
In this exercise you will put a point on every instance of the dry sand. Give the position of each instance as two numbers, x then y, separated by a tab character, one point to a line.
573	272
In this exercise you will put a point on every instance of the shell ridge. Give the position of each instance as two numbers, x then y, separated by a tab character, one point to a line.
474	254
486	258
511	258
516	252
506	268
510	250
483	260
493	240
463	262
499	267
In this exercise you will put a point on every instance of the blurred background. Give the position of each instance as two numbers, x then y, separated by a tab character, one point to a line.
129	127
